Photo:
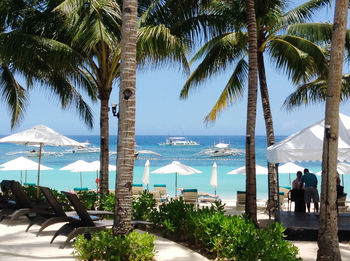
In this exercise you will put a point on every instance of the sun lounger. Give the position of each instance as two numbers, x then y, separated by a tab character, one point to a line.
136	190
78	226
341	204
23	206
240	203
207	198
286	196
60	214
190	196
161	188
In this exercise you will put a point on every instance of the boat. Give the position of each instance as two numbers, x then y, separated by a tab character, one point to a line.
221	150
35	153
179	141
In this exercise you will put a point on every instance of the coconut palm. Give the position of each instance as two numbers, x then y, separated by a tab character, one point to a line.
295	56
250	205
17	46
126	124
316	90
328	228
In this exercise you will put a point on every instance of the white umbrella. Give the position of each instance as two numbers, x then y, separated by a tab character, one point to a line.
214	177
22	163
177	168
241	170
40	135
77	166
96	166
342	168
290	167
145	178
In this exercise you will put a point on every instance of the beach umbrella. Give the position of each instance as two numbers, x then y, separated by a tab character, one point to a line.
95	166
22	163
289	168
77	166
145	178
241	170
342	168
214	177
40	135
177	168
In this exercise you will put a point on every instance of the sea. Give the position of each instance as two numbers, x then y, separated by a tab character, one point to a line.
227	187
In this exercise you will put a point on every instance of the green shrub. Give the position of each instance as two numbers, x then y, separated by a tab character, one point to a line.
103	246
88	198
143	206
226	237
107	202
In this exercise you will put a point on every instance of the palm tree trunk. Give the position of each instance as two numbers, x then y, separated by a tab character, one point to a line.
328	226
250	208
104	144
265	100
126	124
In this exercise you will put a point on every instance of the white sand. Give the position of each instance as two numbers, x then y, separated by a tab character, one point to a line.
15	244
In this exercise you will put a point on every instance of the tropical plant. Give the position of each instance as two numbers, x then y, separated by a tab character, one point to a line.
24	26
328	227
297	57
104	245
126	123
250	206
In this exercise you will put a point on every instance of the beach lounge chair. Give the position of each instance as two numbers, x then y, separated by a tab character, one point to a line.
207	198
60	214
286	198
240	203
23	206
341	204
78	226
136	190
161	188
190	196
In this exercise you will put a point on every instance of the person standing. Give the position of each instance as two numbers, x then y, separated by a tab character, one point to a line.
311	192
297	194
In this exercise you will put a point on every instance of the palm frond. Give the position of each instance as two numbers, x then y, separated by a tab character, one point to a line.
218	54
158	44
232	91
304	12
315	92
320	33
13	94
298	58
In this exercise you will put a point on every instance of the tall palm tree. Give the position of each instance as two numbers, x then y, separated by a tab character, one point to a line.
328	228
126	124
19	51
250	205
293	55
94	29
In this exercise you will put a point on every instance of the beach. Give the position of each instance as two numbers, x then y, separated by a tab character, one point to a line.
189	155
17	245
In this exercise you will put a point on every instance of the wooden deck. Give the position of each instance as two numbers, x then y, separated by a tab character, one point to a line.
303	226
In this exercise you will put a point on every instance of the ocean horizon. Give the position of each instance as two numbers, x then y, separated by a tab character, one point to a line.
228	185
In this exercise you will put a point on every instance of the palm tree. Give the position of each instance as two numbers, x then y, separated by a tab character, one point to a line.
294	55
126	124
18	44
250	205
316	90
328	228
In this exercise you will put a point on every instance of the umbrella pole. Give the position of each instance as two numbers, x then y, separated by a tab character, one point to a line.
21	177
25	179
81	181
175	184
342	179
37	189
290	181
215	192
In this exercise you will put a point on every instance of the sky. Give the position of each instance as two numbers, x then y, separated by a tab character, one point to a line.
159	110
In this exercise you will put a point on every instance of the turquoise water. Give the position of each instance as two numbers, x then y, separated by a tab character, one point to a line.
227	184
